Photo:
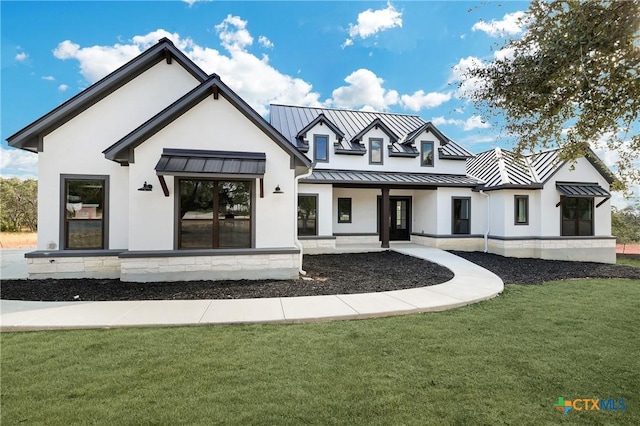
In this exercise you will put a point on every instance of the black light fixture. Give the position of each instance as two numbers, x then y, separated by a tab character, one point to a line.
146	187
278	190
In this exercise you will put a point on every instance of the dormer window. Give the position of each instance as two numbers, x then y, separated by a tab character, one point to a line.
375	151
321	148
426	154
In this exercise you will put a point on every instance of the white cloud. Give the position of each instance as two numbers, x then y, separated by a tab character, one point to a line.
364	91
63	87
21	57
233	33
467	86
190	2
252	77
510	24
18	163
264	41
420	100
371	22
473	122
49	78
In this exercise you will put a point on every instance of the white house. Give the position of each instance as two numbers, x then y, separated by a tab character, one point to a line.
161	172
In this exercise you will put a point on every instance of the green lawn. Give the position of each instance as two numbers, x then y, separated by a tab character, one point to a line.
504	361
628	261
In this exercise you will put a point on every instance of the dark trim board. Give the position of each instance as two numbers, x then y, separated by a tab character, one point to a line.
445	236
208	252
316	237
521	238
43	254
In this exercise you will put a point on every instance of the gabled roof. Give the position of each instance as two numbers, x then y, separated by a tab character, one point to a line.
377	124
320	119
122	151
500	169
289	120
30	137
448	148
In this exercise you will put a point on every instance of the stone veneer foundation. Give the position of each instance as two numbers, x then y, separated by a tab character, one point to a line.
156	266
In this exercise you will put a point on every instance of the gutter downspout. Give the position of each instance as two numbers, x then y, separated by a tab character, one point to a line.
486	234
295	221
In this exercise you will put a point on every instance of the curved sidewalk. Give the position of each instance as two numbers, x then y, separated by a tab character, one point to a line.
470	284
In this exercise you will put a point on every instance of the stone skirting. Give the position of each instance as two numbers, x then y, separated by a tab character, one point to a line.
167	266
357	239
589	249
73	267
313	243
601	250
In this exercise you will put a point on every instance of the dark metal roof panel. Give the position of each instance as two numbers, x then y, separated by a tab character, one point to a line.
578	189
177	161
389	178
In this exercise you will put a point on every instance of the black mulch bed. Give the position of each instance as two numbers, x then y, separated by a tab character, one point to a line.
330	273
536	271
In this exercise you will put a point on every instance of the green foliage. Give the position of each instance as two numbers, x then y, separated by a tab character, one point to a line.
18	204
573	79
504	361
625	225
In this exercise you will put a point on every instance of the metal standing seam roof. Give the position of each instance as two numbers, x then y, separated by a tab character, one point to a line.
179	161
289	120
357	177
575	189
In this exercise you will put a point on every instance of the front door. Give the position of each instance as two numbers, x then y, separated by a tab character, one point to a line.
399	218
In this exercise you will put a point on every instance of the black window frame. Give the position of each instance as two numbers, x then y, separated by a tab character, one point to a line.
315	149
422	152
349	208
516	209
453	215
215	241
564	203
63	233
381	141
315	233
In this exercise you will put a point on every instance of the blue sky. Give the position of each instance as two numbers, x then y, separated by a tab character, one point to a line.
387	56
403	57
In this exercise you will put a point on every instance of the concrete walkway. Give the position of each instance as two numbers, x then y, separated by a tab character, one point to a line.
470	284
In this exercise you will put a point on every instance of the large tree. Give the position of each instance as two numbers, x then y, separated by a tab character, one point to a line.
18	204
571	79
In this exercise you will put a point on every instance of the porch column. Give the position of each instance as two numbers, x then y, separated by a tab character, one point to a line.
384	226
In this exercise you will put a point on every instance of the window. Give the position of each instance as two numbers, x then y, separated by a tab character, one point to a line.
307	215
461	215
577	216
375	151
214	214
426	160
344	210
321	148
521	205
85	212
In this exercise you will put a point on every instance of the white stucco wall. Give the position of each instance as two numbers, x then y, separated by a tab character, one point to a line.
397	164
551	215
478	210
324	214
210	125
76	147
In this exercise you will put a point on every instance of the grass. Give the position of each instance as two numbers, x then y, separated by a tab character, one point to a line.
504	361
628	261
14	240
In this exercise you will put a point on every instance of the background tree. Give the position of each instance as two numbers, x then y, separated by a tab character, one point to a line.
18	205
571	79
625	225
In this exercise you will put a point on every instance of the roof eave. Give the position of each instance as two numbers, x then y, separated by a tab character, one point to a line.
28	137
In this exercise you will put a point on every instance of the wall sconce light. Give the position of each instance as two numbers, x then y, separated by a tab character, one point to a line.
146	187
278	190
